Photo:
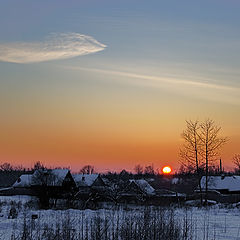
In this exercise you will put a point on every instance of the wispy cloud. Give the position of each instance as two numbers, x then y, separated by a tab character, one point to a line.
159	79
56	46
188	87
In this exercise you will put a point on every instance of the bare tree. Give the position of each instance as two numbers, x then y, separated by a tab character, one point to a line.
88	169
6	167
138	169
19	168
149	170
38	165
236	161
190	150
42	180
201	148
211	144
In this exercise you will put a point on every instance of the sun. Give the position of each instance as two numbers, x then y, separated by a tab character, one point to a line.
167	170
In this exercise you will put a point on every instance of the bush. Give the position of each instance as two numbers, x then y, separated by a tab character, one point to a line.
146	224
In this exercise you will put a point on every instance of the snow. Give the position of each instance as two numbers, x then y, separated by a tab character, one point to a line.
84	180
197	203
25	180
216	222
230	183
144	186
60	173
17	198
52	177
4	189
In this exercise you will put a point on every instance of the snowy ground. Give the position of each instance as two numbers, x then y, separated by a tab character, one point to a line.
213	223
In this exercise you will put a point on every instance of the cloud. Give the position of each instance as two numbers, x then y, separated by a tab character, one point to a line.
56	46
168	80
186	87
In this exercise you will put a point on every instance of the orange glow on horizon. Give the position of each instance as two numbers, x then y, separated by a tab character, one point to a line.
167	170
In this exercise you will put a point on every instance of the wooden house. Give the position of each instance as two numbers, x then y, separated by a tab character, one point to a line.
55	182
225	189
87	181
222	184
166	197
91	190
136	191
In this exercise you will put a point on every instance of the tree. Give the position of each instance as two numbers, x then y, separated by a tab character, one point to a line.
138	169
236	161
149	170
6	167
42	181
190	151
211	143
201	148
38	165
88	169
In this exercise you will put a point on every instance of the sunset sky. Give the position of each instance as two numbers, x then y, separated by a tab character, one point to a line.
111	83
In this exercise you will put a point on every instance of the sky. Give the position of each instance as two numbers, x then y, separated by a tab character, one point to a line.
111	83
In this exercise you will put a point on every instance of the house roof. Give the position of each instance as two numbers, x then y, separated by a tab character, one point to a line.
60	173
52	177
25	180
85	180
230	183
144	186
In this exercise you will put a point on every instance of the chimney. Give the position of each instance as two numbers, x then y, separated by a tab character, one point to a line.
221	165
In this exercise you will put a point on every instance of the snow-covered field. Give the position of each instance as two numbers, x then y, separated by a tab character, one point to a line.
216	222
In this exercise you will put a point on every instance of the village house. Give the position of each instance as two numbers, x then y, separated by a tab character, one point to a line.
53	182
50	185
222	188
88	183
166	197
85	182
91	190
24	181
223	184
56	181
136	191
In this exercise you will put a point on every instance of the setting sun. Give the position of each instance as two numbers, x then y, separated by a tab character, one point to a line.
167	170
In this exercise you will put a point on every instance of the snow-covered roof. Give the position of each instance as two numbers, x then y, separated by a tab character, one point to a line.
52	177
25	180
144	186
84	180
230	183
60	173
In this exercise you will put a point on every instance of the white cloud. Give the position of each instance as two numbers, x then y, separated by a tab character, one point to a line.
175	81
188	87
56	46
